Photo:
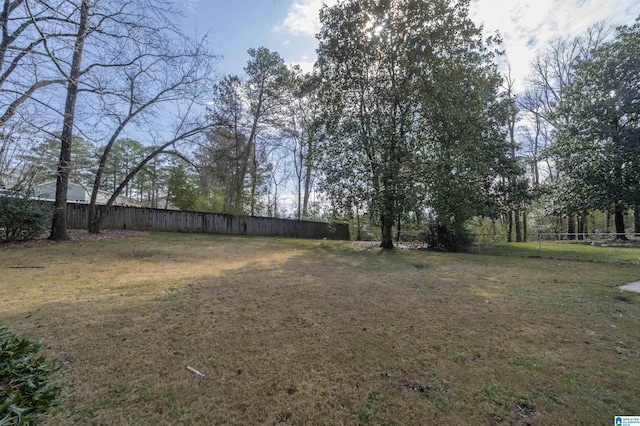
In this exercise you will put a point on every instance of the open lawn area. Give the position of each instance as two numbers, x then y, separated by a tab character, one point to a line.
607	252
324	333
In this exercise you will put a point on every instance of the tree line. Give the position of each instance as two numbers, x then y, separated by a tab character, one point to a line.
579	136
406	122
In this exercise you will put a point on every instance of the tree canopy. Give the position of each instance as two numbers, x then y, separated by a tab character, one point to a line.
411	109
405	119
598	149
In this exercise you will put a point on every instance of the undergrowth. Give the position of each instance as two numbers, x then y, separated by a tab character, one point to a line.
26	391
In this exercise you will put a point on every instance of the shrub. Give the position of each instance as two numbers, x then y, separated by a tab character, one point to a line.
26	394
450	238
22	218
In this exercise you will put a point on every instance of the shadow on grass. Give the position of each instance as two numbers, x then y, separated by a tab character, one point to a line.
332	334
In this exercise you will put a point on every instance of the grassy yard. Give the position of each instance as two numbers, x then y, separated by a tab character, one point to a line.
320	332
566	250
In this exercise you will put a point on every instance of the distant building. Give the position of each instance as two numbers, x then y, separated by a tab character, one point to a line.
77	193
163	203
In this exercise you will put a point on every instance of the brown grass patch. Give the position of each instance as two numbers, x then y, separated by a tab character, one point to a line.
301	332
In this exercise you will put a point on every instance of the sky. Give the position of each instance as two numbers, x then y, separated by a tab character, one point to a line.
289	26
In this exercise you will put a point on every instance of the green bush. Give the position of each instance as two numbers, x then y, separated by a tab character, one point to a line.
22	218
26	393
449	238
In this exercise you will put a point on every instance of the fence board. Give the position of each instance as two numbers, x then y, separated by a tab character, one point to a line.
146	219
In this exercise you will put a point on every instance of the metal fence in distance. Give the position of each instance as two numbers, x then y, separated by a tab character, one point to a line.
554	236
597	247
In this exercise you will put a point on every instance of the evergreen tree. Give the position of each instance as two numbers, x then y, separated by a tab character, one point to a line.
409	90
598	150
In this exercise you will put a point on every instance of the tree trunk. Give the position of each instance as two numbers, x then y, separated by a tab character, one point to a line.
250	149
92	224
516	215
59	222
524	226
307	181
254	182
509	226
636	220
275	200
299	190
387	218
386	225
619	221
571	227
559	226
96	214
582	224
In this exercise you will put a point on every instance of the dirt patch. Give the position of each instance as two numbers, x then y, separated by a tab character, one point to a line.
75	235
402	246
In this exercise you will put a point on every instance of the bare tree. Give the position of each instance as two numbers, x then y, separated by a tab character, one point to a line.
184	134
15	141
28	28
554	68
59	224
515	188
152	82
127	58
552	71
303	130
536	135
279	172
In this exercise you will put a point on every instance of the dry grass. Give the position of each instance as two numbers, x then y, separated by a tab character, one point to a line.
300	332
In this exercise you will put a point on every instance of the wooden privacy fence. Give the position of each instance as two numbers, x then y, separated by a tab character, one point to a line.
146	219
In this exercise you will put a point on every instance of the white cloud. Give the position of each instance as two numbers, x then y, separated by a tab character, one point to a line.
527	26
305	63
303	17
